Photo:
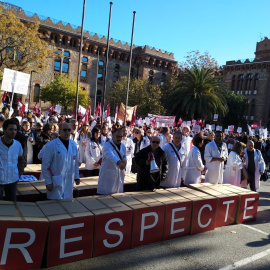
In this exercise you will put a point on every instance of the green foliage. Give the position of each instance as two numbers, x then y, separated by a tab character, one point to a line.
195	58
141	93
198	95
62	91
21	47
237	105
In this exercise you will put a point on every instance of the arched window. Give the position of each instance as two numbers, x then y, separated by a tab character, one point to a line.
90	49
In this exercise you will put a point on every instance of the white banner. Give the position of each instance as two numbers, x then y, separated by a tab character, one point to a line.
58	109
15	79
219	128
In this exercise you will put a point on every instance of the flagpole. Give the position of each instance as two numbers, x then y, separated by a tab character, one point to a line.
79	62
95	103
106	65
129	69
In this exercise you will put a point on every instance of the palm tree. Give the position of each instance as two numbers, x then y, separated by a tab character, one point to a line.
198	95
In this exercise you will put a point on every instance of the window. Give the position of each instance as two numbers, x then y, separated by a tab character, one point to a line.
240	82
85	59
100	70
99	95
64	40
65	65
73	43
252	110
90	49
256	82
246	92
248	82
233	82
254	92
151	76
116	73
162	79
83	70
36	92
66	53
122	57
57	64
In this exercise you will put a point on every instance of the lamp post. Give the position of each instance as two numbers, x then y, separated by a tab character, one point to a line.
79	63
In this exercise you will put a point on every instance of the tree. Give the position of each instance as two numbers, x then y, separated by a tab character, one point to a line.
237	105
194	58
198	95
62	91
21	47
141	93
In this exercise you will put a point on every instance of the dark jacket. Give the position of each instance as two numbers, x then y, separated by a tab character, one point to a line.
40	142
145	179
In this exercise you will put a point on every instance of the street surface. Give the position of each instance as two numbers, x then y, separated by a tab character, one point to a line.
243	246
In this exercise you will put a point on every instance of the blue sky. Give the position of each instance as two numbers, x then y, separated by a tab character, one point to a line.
227	29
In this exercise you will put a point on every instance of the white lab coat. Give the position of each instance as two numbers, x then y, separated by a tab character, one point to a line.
30	148
259	165
174	175
129	153
163	140
232	173
62	163
194	167
93	154
187	144
214	174
145	142
80	141
111	178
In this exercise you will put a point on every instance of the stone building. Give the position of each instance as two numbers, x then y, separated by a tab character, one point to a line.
251	78
148	63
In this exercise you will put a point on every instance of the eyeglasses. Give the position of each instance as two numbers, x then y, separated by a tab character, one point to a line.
66	129
157	142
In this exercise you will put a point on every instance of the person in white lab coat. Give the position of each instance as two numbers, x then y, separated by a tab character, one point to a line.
165	131
215	154
175	154
195	167
129	148
255	165
187	144
114	160
93	153
232	173
83	137
60	165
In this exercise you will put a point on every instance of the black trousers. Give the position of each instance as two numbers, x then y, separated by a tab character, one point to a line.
10	191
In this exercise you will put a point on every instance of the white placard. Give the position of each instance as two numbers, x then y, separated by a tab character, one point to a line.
239	130
140	122
215	117
16	79
219	128
209	127
184	123
231	128
213	127
189	123
226	131
109	121
58	109
147	121
196	128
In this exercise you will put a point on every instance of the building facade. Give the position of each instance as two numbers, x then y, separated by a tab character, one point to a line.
147	63
251	78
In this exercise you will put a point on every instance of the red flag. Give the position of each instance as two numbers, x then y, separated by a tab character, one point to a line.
51	109
98	110
21	107
254	125
108	109
133	116
39	110
35	109
203	123
5	95
199	121
180	121
116	113
88	110
154	121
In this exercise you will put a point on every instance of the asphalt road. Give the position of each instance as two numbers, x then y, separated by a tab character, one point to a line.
243	246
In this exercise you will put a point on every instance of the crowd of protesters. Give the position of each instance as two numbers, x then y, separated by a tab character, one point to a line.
178	155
